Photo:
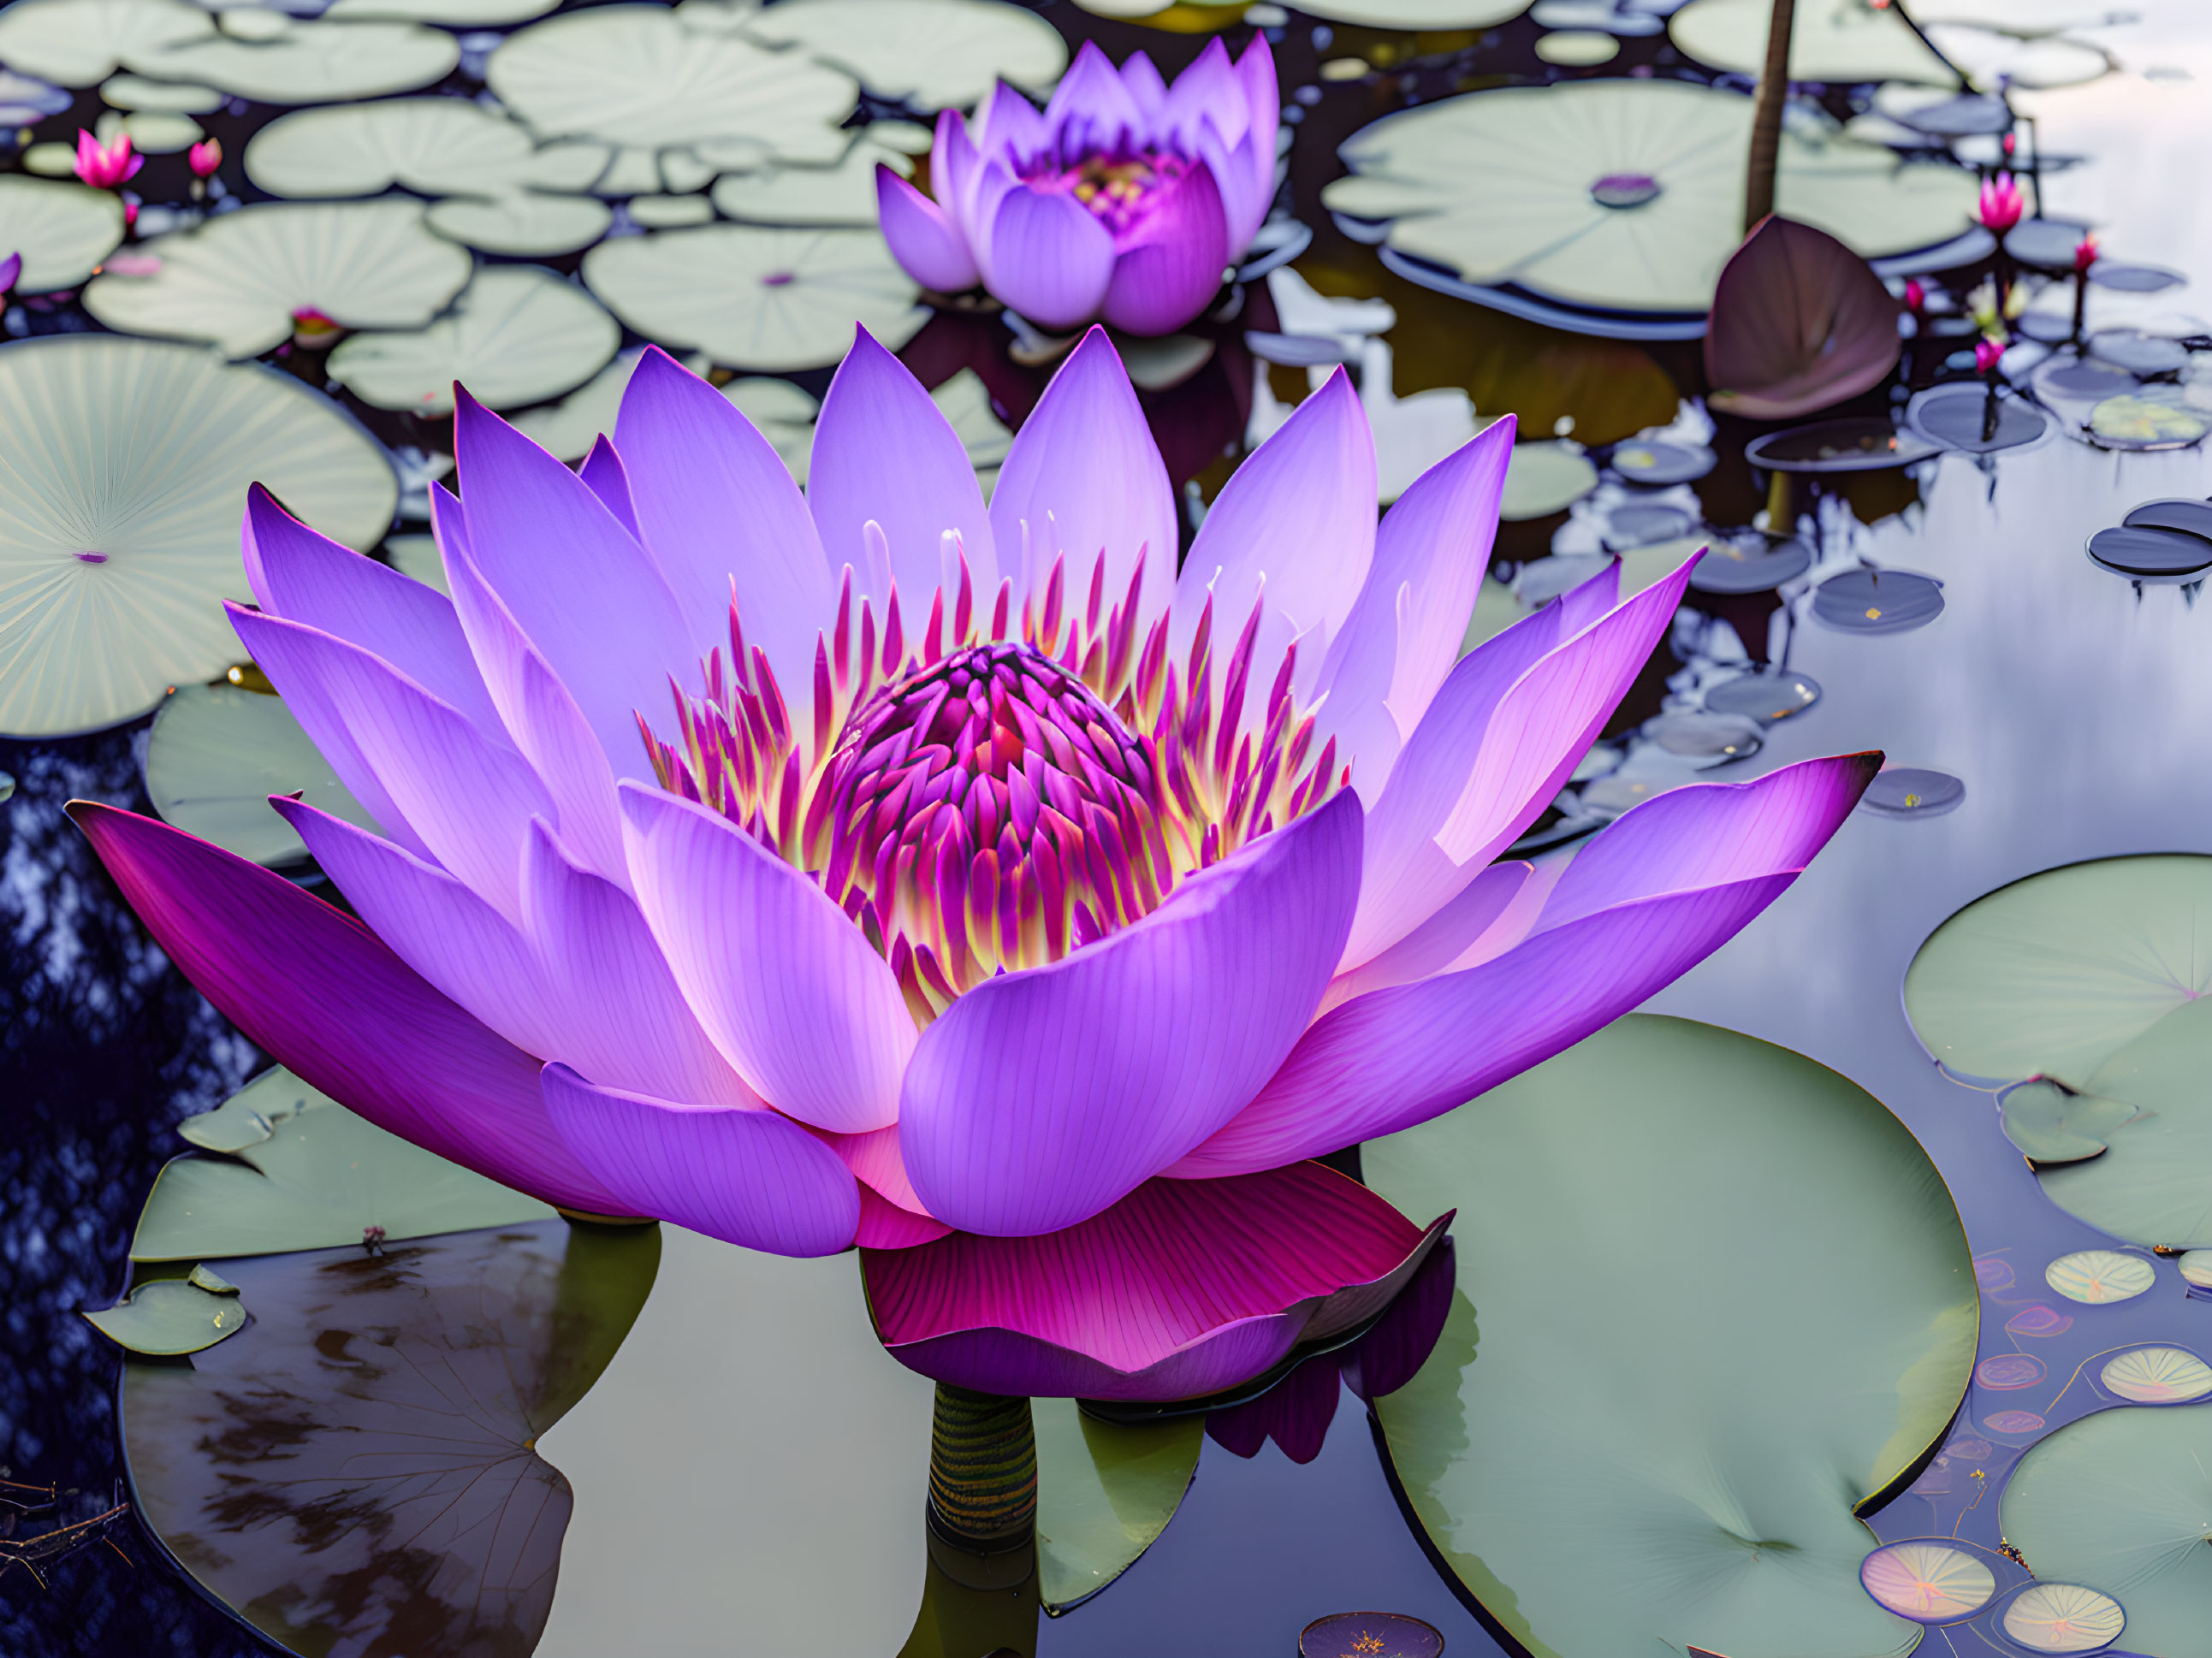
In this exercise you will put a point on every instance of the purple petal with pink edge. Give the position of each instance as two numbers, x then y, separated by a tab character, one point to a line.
1585	602
1084	478
1297	522
789	989
747	1177
470	802
1011	127
1246	191
1295	1413
874	1159
304	576
1208	88
1173	268
718	508
1386	1359
1386	1062
11	271
1706	834
923	237
1140	77
1180	1290
1090	109
323	996
1051	259
603	472
1263	97
884	1225
583	590
537	711
1439	941
884	452
1042	1097
952	167
1405	628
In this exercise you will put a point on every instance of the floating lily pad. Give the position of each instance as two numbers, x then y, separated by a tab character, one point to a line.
2099	1276
518	334
1962	415
323	1178
2196	1267
844	194
1105	1492
50	161
756	298
1838	41
2063	1618
250	1115
1370	1635
63	231
2053	1124
156	132
2157	1375
1659	464
2005	1372
1727	1488
523	222
454	13
432	146
215	755
2039	1321
123	528
2136	422
1928	1582
76	42
1998	59
170	1316
930	54
1578	48
308	63
1752	564
360	1468
1402	14
2146	551
1911	792
1878	601
2134	278
1545	477
671	212
416	556
634	74
236	281
1764	696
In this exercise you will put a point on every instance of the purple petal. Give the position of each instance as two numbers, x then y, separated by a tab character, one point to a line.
1140	77
1209	88
306	577
470	802
583	590
1009	126
1247	189
1084	478
1438	943
323	997
718	508
789	989
1404	629
1181	1289
885	453
748	1177
923	238
1386	1062
953	164
1263	99
1051	259
11	273
1090	109
603	474
1043	1096
1175	269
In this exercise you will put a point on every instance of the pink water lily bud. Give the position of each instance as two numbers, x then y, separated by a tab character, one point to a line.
129	213
11	273
1916	296
105	166
205	157
2001	204
1987	354
1126	198
2085	251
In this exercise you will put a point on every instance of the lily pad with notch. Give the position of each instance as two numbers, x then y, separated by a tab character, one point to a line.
169	1317
215	755
2052	1123
1105	1493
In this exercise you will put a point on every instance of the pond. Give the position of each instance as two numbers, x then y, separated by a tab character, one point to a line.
1846	1297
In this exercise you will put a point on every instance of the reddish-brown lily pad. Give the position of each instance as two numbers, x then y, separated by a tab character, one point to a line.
1799	322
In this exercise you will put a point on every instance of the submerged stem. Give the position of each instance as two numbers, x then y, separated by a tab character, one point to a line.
982	1469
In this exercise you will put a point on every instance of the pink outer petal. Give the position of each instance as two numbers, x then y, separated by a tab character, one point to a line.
747	1177
1084	478
884	1225
1404	629
1386	1062
605	475
1168	276
303	576
923	237
1043	1096
883	453
1181	1289
717	506
789	989
874	1158
322	994
1051	259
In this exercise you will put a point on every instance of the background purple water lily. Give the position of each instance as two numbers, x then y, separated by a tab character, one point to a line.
993	897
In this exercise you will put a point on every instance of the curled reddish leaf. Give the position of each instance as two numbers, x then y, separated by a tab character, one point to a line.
1799	322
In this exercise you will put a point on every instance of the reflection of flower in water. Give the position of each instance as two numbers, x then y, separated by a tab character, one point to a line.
2038	1321
2008	1370
1991	1272
2012	1422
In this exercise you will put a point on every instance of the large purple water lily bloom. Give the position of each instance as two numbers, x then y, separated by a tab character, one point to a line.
1127	198
987	894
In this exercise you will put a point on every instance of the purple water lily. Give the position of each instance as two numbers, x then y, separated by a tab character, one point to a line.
1126	199
986	893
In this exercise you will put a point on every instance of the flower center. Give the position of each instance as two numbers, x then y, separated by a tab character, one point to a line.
1119	188
1625	190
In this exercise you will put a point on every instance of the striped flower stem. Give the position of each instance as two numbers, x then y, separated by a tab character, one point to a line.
982	1469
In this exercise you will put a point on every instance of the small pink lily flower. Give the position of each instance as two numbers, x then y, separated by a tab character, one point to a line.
1987	354
2086	252
205	157
2001	204
1916	296
105	166
11	273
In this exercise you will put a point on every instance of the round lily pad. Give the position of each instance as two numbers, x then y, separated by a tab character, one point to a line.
2063	1617
152	131
930	54
1370	1635
1766	697
2135	421
1545	477
1878	601
2047	242
1912	792
1659	1140
2134	278
2137	352
1752	565
2123	1500
170	1316
844	194
2157	1375
2186	515
2147	551
218	752
521	222
1999	59
1961	415
1858	444
2196	1267
756	298
518	334
308	63
62	230
123	530
1713	738
1662	463
454	13
634	75
1382	14
1929	1582
432	146
76	42
2098	1275
1846	44
2004	1372
236	281
2050	1123
1578	48
2039	1321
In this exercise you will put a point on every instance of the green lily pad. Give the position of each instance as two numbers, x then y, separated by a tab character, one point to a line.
62	230
358	1473
2097	1277
212	1281
521	222
153	131
1544	478
1846	42
218	752
136	92
322	1177
250	1115
2050	1123
2122	1501
842	194
934	54
308	62
518	334
170	1316
1105	1493
1725	1302
2148	1185
433	146
417	556
76	42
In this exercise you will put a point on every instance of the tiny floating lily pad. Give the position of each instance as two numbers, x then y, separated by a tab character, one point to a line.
1960	415
2052	1123
1860	444
1929	1582
1754	564
1662	463
2146	422
1712	739
1371	1634
518	334
1878	601
170	1316
1545	477
1912	792
215	755
324	1177
2046	242
2013	1424
2148	551
2134	278
2099	1276
2157	1376
2063	1618
2138	353
1766	697
930	54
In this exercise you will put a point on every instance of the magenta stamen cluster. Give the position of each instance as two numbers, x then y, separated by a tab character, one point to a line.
1119	189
